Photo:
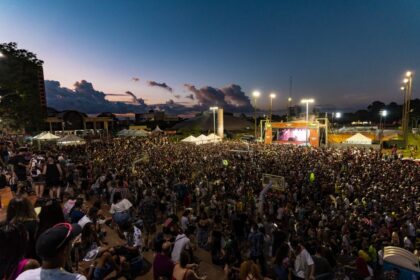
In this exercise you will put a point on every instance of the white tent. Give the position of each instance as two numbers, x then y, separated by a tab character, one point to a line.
122	132
157	130
71	139
202	139
358	139
47	136
213	138
39	135
189	139
140	133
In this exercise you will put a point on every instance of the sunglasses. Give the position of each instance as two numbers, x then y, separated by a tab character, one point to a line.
69	228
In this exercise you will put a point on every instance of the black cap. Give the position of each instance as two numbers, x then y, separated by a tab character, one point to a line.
53	239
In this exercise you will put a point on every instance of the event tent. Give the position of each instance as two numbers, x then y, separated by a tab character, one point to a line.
212	138
189	139
122	132
133	133
157	130
202	139
71	139
358	139
46	136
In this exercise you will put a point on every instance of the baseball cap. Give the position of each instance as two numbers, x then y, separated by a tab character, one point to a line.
53	239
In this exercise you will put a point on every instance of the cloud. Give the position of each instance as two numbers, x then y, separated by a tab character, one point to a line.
177	96
161	85
135	79
86	99
230	97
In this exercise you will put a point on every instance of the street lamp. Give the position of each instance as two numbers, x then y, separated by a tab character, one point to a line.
307	101
407	91
1	55
272	96
214	109
255	94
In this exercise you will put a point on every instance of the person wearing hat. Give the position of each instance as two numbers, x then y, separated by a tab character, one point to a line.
53	247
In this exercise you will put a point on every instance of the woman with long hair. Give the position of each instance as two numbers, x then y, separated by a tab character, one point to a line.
50	215
21	210
250	271
13	242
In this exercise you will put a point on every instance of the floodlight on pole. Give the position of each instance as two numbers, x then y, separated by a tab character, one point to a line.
338	115
307	101
255	94
214	109
1	55
408	74
272	96
405	81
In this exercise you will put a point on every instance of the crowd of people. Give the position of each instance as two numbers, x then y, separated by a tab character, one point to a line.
336	208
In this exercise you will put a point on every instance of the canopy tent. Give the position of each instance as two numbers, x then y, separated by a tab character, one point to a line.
213	138
122	132
202	139
39	135
189	139
46	136
133	133
140	133
358	139
71	139
157	130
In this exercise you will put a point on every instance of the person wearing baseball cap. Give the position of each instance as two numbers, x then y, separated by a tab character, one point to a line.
53	247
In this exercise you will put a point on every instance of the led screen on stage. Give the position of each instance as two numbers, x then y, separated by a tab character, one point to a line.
291	134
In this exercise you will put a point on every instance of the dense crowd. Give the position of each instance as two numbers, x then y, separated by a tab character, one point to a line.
335	208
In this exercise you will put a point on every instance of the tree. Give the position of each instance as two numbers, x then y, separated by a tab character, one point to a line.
20	104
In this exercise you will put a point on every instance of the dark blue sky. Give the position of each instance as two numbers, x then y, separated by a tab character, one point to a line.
343	53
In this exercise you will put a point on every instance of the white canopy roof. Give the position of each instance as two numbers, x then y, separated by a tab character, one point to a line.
122	132
213	136
190	139
157	129
202	137
45	136
358	138
71	139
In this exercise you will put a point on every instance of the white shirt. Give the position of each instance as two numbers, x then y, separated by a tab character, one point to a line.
303	260
121	206
49	274
184	223
181	242
84	220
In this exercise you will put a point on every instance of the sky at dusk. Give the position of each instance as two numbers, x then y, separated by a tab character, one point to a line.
345	54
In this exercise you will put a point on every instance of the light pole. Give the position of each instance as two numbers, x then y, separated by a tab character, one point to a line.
307	101
382	114
289	108
214	109
255	94
408	82
272	96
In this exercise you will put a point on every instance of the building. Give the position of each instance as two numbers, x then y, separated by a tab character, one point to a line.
155	116
71	120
